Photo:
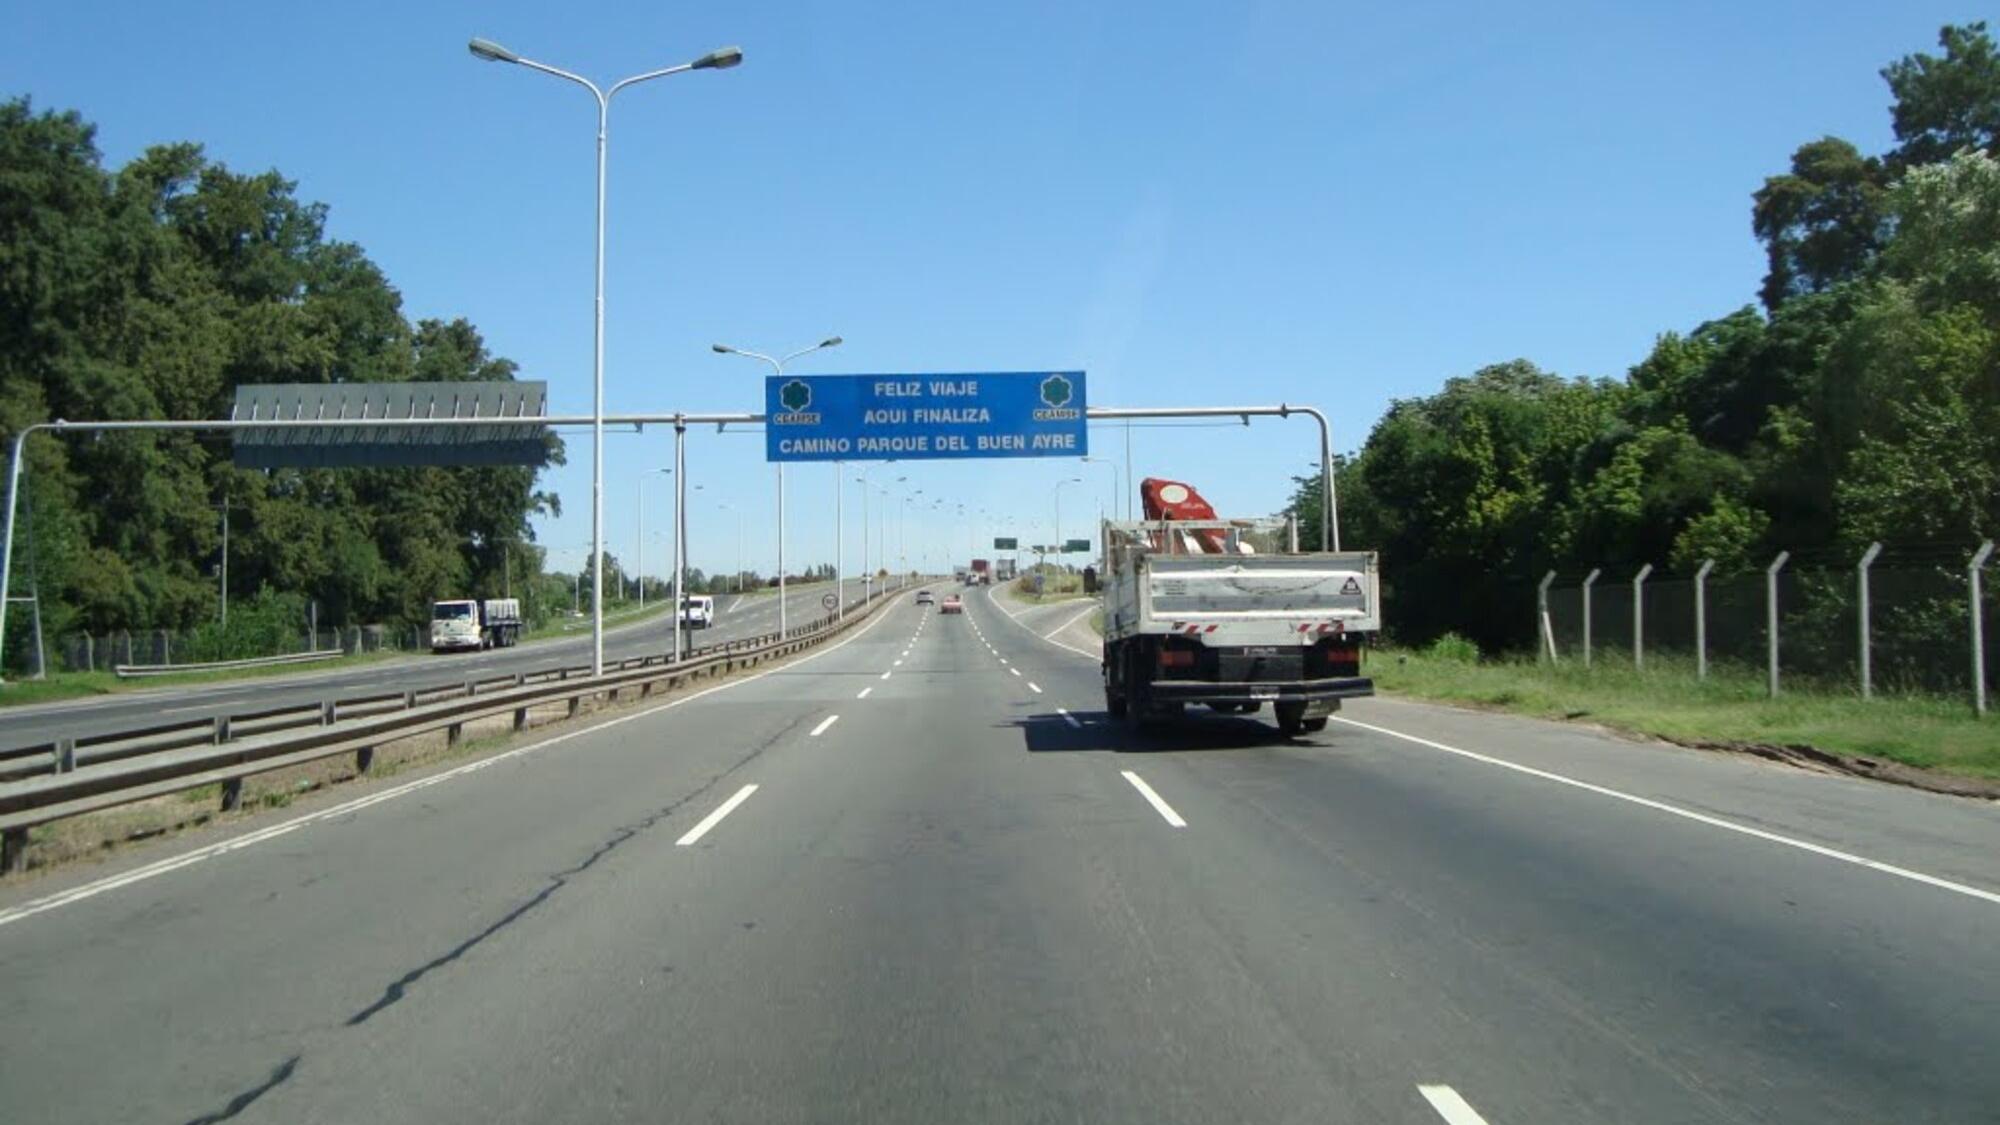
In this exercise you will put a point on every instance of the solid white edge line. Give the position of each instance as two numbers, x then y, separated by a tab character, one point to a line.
1074	618
1034	687
1164	809
865	691
1093	657
173	863
823	724
1068	718
695	834
1688	814
1450	1106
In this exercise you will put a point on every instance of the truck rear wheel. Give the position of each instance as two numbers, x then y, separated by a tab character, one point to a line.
1291	717
1313	725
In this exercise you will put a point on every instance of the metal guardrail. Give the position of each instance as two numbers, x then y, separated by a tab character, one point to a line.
135	671
73	776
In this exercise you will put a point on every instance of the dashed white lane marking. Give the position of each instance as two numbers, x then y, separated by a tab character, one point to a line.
237	843
1164	809
1003	660
897	663
1033	686
1016	671
823	724
1699	818
1068	718
865	691
712	819
1450	1106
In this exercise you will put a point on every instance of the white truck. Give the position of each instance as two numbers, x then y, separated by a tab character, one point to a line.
697	611
1227	613
463	623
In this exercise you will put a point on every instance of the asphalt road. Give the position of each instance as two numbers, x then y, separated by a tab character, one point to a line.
737	619
917	876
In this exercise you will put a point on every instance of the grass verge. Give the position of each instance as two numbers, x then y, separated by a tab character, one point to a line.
75	685
1728	709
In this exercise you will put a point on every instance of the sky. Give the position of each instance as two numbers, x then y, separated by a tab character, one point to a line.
1322	203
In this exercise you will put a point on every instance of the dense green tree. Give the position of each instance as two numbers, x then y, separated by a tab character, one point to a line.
1821	223
1949	103
153	292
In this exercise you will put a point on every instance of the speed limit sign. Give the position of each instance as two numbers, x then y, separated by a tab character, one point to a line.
829	601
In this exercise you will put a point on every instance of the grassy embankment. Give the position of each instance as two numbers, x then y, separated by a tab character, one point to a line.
1055	588
1731	706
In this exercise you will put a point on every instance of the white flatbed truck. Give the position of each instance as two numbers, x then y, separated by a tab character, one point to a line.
1226	613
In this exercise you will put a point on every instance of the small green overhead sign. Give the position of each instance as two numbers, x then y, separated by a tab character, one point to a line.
1005	543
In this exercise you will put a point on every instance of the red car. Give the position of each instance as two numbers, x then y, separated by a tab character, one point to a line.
951	604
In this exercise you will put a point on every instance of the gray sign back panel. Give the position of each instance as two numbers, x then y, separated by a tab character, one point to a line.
515	438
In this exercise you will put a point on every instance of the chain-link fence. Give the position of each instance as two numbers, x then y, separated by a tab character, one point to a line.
1917	635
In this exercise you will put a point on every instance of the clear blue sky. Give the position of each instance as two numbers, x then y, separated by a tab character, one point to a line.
1199	204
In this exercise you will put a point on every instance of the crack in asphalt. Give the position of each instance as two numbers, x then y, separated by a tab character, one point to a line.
399	988
242	1101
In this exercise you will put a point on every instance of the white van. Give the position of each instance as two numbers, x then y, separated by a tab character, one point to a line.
697	611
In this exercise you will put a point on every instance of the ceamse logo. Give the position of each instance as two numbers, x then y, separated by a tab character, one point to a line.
795	396
1057	392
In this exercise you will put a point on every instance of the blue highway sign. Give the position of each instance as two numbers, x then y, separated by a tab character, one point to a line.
924	417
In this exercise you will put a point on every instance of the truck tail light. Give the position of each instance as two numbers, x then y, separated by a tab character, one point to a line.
1176	658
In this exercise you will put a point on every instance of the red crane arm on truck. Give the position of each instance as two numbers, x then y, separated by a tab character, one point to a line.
1173	500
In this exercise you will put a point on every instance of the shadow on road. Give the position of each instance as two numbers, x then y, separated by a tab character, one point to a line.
1049	733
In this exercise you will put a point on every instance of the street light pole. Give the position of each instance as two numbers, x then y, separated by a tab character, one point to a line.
1113	466
714	60
778	369
1057	546
641	561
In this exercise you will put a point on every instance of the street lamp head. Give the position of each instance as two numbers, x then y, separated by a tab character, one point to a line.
719	60
490	51
723	349
830	342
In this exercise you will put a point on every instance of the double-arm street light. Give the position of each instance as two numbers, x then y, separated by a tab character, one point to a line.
714	60
778	369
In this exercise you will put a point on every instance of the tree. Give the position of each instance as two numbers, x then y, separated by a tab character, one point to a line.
1822	222
1946	104
153	293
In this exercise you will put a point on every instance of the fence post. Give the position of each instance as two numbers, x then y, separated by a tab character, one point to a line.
1588	580
13	851
65	755
1978	628
1542	623
1701	619
1639	616
1771	614
1861	603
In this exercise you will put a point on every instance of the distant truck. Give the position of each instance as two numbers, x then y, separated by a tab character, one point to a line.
697	611
1003	570
463	623
982	573
1229	614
